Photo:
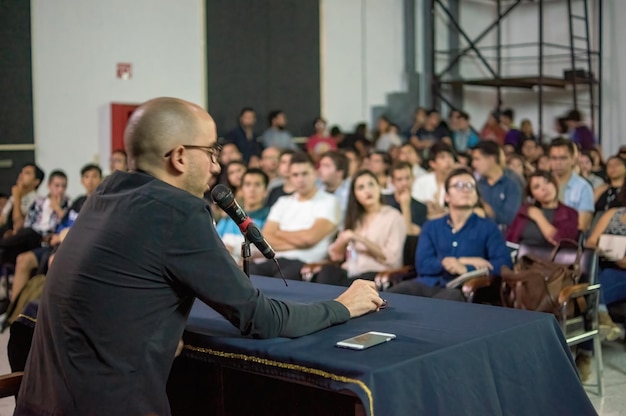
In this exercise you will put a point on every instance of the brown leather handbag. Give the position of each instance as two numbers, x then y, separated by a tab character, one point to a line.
535	284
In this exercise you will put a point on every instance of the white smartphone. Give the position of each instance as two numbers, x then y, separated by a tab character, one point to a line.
366	340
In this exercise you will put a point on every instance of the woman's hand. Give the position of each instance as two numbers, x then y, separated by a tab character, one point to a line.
346	236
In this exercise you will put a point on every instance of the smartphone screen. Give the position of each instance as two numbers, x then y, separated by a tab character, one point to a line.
366	340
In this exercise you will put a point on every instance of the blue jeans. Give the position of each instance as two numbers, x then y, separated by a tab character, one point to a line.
613	287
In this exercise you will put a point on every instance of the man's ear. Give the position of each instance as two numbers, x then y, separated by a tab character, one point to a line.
177	160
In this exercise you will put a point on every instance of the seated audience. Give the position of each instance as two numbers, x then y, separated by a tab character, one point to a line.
430	189
492	130
42	219
517	164
286	188
320	142
270	160
546	220
387	135
234	173
543	163
26	262
23	195
378	163
432	131
455	244
464	136
526	128
574	191
599	167
513	137
612	275
244	136
419	120
585	164
299	226
276	135
373	236
606	195
253	187
354	161
118	161
409	154
413	211
228	153
333	173
578	132
501	196
528	149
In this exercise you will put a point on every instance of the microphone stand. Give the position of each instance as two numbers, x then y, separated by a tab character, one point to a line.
245	255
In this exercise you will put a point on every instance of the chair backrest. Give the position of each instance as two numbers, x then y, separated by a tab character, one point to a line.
567	255
410	247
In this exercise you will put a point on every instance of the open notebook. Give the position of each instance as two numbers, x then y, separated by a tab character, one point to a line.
612	247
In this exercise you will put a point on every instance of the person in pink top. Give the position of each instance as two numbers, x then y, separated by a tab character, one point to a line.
372	239
320	142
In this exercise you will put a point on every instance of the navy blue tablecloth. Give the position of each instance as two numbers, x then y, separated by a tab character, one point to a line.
448	358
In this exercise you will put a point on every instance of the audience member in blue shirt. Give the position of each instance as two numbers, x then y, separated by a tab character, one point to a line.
253	187
464	137
455	244
501	195
244	137
574	191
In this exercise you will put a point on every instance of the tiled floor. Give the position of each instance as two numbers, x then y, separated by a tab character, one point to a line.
612	404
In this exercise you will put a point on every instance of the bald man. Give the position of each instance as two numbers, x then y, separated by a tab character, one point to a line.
144	246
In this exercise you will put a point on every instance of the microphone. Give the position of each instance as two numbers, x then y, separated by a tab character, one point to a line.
225	199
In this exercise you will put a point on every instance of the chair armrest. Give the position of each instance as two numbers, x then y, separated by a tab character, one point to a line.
572	292
472	285
10	384
309	270
387	278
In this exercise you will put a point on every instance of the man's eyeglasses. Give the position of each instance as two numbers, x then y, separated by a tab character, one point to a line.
469	186
212	151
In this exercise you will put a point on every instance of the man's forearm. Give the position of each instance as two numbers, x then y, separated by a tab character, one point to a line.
299	239
278	243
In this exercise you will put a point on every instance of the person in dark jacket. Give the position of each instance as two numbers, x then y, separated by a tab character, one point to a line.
123	282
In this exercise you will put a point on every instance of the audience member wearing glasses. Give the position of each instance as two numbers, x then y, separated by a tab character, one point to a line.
123	282
455	244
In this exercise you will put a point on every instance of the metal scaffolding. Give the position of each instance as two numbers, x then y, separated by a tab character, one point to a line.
579	74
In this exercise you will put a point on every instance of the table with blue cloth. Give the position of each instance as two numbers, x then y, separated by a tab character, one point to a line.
449	358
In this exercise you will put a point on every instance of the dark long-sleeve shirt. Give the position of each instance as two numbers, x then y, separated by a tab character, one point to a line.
564	219
247	146
479	237
118	295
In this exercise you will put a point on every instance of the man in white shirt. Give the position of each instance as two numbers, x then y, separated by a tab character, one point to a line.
23	194
429	189
299	226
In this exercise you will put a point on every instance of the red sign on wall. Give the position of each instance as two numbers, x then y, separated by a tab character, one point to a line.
124	70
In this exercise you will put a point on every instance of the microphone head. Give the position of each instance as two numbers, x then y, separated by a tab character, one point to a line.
222	195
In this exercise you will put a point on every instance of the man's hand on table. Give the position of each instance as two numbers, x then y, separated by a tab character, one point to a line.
360	298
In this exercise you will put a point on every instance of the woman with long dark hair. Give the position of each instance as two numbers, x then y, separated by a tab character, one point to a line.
606	195
372	239
546	220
